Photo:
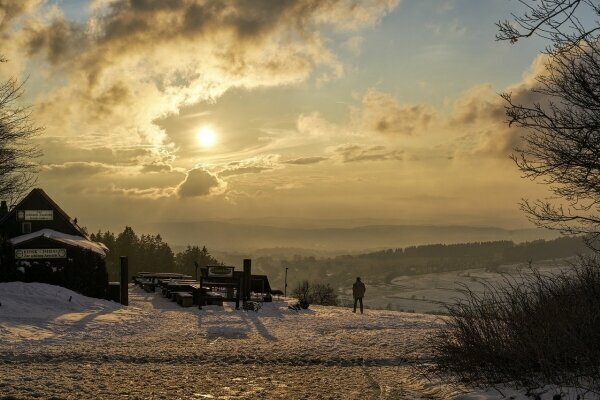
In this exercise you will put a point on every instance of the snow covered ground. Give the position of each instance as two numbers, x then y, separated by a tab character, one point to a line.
53	348
430	292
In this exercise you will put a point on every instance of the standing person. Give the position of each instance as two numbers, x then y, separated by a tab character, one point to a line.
358	291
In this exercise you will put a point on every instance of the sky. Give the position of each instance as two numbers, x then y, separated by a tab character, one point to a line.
187	110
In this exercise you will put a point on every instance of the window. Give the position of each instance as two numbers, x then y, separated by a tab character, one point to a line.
26	227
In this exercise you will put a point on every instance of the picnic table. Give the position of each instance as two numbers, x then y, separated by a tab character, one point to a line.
187	286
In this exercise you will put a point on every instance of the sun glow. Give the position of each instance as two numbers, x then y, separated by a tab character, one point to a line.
206	137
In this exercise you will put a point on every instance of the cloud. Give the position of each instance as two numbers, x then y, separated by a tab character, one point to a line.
59	150
199	182
382	113
252	165
75	169
354	45
243	171
155	168
316	126
183	52
11	9
306	160
480	113
289	186
356	152
152	193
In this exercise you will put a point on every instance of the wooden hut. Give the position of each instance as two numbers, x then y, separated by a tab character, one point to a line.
40	242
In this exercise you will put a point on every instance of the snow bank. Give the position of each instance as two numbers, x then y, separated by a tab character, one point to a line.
35	311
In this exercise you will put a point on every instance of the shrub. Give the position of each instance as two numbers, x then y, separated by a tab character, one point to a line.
324	294
316	293
302	291
531	330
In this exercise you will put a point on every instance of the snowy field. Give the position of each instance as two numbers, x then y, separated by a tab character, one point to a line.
53	348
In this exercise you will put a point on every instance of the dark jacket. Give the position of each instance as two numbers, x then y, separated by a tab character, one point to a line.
358	290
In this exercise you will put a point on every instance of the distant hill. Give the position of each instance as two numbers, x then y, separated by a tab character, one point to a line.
246	236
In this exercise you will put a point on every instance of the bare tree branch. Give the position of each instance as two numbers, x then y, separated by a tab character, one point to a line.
561	146
17	153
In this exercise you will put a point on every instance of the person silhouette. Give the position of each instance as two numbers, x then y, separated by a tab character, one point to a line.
358	291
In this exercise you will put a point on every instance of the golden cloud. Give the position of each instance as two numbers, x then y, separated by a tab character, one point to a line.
382	113
133	62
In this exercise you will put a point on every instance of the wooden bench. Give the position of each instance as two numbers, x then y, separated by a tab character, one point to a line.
185	299
173	295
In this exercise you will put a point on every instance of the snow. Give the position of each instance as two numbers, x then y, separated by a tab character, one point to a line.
91	348
71	240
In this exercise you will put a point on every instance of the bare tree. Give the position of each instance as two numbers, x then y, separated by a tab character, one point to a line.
561	144
17	169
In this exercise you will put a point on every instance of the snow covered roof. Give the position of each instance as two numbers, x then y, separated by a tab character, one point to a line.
71	240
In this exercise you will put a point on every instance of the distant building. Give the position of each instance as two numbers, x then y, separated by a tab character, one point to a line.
40	242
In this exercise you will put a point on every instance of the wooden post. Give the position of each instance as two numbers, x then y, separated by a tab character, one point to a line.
237	296
200	295
124	281
247	281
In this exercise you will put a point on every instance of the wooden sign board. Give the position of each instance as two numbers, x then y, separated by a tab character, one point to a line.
35	215
24	254
220	272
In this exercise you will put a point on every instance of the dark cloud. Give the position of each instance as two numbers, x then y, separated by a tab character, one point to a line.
11	9
127	27
198	182
358	152
60	42
306	160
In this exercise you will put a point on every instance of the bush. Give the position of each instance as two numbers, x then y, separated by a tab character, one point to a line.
324	294
531	331
302	291
316	293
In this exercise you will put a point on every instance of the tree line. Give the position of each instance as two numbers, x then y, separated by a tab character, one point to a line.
150	253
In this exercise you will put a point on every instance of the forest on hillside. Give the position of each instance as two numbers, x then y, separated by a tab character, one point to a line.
383	266
149	253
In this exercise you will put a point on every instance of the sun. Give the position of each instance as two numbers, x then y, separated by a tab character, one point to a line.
206	136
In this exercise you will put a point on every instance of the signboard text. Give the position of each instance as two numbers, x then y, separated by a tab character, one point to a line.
35	215
220	272
22	254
